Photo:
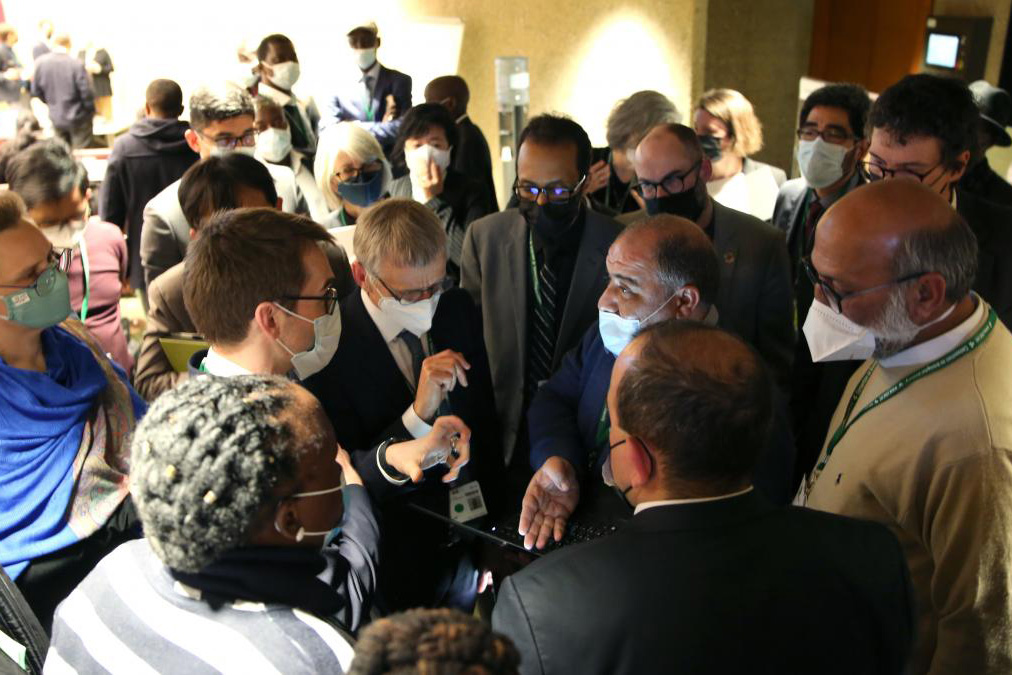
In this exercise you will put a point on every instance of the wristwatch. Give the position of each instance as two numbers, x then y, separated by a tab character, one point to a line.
390	473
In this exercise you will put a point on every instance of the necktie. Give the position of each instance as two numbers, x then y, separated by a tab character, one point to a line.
815	210
542	342
300	140
367	98
414	346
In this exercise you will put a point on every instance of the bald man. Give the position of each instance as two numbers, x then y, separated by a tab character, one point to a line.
922	437
471	157
756	295
707	577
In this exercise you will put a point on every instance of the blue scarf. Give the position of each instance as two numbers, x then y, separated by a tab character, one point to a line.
42	418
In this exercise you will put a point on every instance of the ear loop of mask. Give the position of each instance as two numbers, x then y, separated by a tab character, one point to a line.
302	533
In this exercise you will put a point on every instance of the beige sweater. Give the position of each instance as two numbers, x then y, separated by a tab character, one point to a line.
934	463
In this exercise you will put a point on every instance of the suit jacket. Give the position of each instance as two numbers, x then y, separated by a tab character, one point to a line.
166	315
165	233
565	415
149	157
495	270
709	588
983	182
61	82
472	158
992	223
346	105
462	201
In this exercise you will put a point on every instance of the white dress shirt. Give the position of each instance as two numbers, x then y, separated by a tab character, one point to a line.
216	364
391	332
939	346
670	502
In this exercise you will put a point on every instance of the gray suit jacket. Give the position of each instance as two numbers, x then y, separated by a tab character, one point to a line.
165	234
756	297
496	272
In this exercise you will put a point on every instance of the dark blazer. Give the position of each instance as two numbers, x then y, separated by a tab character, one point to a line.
472	158
992	223
364	393
346	104
166	315
495	270
983	182
152	155
565	414
61	82
462	201
711	588
100	82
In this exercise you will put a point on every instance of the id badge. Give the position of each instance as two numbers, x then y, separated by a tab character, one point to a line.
466	502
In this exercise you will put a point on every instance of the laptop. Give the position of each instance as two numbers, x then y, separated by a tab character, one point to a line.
179	347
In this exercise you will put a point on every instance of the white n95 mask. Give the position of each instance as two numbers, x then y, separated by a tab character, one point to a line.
821	163
419	157
285	74
326	335
834	337
415	318
274	144
365	58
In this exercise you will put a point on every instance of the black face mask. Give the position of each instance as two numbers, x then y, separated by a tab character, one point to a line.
551	222
711	147
688	204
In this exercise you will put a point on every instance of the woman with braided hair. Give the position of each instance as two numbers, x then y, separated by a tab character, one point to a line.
260	548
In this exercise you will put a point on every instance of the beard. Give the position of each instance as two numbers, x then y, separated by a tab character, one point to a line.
894	330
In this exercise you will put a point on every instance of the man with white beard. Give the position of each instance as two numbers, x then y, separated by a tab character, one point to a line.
921	440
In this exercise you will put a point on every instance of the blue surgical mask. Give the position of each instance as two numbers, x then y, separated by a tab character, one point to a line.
367	189
617	332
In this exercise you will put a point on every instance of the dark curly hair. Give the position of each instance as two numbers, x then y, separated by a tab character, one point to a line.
206	458
433	642
851	98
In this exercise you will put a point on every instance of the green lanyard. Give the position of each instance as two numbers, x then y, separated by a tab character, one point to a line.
957	353
603	427
87	279
534	271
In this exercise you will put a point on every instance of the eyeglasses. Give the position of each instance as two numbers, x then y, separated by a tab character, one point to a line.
352	173
59	262
78	222
247	140
329	299
835	299
556	194
673	183
834	135
874	172
418	294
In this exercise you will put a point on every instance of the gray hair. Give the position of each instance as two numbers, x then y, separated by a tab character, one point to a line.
220	102
632	118
951	251
354	140
206	458
398	230
685	255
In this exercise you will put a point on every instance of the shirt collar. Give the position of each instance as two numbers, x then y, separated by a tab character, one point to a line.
276	95
387	328
216	364
937	347
671	502
829	200
373	72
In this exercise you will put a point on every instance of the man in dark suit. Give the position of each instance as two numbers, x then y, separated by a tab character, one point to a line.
924	128
831	145
411	349
536	271
995	106
376	98
61	82
471	155
707	574
150	156
755	299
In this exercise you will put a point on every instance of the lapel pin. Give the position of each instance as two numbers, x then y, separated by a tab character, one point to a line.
729	257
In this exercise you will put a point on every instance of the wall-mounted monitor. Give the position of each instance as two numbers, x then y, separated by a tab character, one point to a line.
942	51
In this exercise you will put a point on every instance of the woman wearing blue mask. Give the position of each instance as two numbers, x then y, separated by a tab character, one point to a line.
66	413
260	545
351	172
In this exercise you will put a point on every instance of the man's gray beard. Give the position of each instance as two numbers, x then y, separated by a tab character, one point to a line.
893	330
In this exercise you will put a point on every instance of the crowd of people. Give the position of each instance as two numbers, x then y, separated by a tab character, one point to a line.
791	397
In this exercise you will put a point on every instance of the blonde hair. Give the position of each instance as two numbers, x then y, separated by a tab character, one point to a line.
353	140
400	231
734	110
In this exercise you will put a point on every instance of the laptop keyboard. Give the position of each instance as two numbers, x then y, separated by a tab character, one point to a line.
576	533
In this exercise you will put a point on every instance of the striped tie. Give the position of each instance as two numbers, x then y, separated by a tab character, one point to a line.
542	344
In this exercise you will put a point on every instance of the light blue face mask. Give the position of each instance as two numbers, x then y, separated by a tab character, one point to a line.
329	535
41	305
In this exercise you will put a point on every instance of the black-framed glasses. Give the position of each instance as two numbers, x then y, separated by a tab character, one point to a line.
412	296
555	194
834	135
673	183
835	299
874	172
59	263
247	140
329	299
352	173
